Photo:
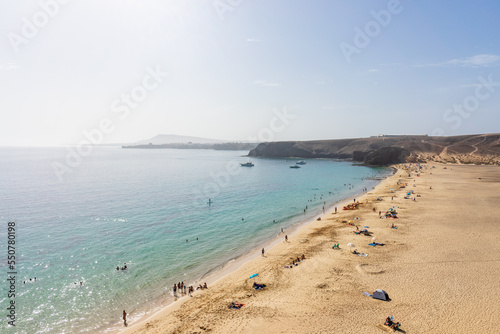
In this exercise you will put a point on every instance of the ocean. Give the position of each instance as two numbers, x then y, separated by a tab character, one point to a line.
148	208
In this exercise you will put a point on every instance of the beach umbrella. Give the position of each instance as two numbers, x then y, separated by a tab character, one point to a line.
351	245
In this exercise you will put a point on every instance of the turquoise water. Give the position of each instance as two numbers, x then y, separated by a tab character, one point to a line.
140	207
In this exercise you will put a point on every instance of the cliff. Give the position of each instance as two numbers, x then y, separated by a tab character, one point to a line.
473	149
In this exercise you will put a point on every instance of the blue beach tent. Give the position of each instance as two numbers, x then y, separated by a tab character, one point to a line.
380	294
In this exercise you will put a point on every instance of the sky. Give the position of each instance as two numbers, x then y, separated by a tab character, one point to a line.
120	71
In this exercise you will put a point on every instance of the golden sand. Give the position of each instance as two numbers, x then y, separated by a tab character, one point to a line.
440	267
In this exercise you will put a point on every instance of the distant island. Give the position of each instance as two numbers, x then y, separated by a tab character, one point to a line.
171	141
200	146
178	139
391	149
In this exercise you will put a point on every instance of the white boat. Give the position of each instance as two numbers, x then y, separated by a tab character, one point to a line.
301	162
294	166
247	164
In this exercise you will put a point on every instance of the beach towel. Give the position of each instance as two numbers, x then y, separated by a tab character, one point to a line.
253	275
367	294
362	254
236	307
384	327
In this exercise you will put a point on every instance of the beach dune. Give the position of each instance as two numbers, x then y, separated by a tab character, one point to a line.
440	267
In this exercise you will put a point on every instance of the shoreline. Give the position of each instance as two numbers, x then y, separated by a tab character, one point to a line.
225	270
440	267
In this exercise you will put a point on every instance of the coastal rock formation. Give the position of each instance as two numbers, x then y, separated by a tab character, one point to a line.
387	156
467	149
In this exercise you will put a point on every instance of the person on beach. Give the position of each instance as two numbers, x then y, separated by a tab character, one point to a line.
286	238
335	209
205	285
262	251
175	289
124	318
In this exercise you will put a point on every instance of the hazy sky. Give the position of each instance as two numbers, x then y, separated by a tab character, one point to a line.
223	69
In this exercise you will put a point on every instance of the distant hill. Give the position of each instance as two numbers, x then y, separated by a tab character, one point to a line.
176	139
384	150
191	146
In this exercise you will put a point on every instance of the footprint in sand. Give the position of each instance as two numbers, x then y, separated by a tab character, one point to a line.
370	269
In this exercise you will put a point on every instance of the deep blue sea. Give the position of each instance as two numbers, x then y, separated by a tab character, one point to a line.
139	207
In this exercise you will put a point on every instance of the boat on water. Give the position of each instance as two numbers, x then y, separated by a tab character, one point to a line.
294	166
301	162
247	164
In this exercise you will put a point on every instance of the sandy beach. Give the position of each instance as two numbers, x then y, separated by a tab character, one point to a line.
440	267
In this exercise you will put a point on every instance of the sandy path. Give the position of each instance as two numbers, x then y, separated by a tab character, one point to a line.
440	268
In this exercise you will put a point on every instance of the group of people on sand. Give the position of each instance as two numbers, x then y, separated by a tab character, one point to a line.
258	286
202	287
389	323
180	287
296	261
183	288
236	305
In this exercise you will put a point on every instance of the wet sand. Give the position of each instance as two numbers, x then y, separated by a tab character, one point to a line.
440	267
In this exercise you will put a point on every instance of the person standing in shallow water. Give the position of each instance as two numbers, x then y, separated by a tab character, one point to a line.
124	318
262	251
